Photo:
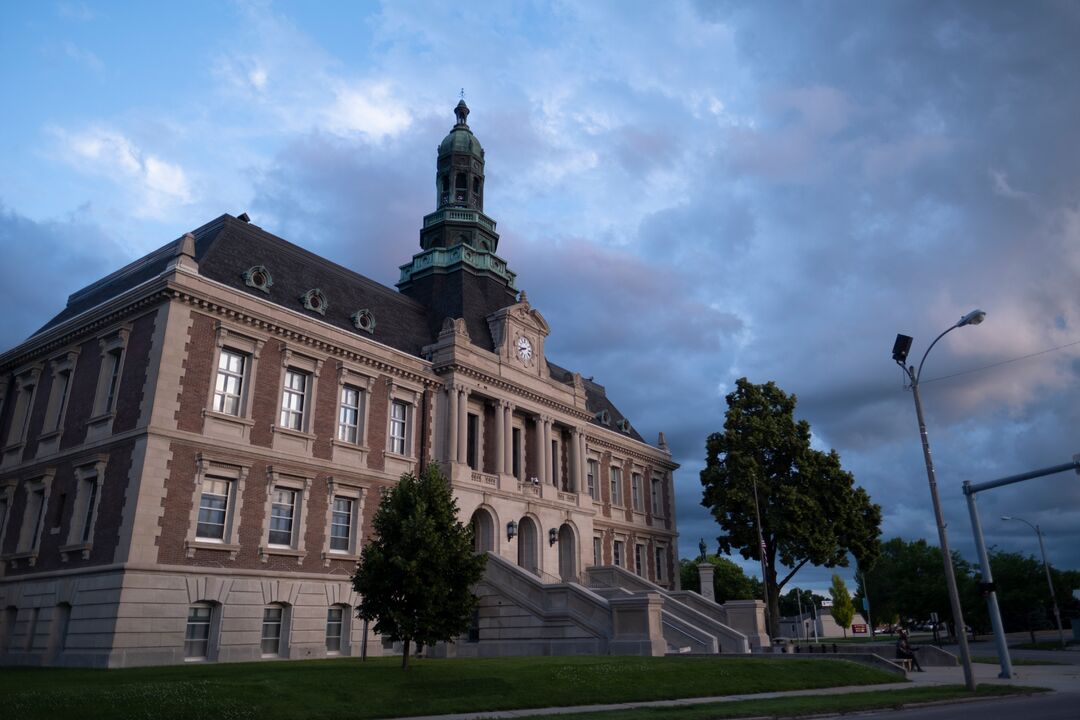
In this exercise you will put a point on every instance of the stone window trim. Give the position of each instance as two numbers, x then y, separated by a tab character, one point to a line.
228	338
364	383
364	319
311	366
7	495
659	561
315	300
410	396
113	342
209	467
281	623
343	639
56	411
31	530
641	559
637	490
300	482
592	463
615	483
656	496
87	470
357	492
194	627
258	277
26	384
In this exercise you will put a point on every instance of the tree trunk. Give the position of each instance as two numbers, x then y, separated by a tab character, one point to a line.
774	604
405	654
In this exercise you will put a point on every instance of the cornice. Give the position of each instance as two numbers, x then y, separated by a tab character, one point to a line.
513	389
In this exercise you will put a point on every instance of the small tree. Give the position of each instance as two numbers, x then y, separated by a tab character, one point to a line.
843	610
415	577
730	582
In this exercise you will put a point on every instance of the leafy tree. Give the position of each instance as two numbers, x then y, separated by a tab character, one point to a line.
790	602
415	577
907	584
729	580
811	511
843	610
1022	594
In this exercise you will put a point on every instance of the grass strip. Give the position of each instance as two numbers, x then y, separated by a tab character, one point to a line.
992	660
807	705
1043	645
348	688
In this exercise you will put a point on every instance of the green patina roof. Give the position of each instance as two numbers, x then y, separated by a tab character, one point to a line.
460	139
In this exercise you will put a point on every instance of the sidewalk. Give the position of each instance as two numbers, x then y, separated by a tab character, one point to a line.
1059	678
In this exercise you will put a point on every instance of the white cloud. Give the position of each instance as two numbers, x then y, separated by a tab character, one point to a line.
155	184
367	109
84	57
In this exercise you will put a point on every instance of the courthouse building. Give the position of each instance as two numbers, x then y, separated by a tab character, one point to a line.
192	450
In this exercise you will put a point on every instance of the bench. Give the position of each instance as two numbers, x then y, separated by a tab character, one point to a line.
907	663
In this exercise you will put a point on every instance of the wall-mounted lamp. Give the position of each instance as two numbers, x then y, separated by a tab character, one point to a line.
535	480
511	530
553	536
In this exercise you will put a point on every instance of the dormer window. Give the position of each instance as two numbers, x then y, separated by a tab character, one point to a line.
623	424
364	320
603	417
259	278
314	300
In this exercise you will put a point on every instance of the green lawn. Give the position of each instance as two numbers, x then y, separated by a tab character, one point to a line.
347	688
800	706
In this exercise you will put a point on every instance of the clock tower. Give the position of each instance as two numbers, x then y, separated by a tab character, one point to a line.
457	273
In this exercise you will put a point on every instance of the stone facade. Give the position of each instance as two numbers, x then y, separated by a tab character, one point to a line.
192	451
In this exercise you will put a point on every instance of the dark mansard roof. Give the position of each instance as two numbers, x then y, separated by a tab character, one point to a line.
226	248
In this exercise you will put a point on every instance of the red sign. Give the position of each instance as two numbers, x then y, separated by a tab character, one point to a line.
858	629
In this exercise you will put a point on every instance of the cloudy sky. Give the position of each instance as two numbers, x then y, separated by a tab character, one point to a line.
689	192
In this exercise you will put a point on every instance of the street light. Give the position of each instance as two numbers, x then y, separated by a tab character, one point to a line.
900	353
1046	565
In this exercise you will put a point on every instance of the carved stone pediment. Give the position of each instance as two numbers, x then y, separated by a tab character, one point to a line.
518	332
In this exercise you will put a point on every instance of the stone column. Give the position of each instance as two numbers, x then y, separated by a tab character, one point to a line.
549	476
706	570
500	436
582	456
451	423
541	456
463	426
575	464
508	433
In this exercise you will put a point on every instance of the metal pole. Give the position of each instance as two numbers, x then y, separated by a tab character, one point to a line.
946	557
764	566
991	598
866	603
1057	613
798	596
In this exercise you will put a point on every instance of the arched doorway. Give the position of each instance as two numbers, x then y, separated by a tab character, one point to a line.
483	529
567	553
528	540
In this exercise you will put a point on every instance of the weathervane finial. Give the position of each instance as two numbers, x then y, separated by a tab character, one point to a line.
462	93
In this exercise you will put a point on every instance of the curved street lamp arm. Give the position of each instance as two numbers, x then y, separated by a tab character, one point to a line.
918	374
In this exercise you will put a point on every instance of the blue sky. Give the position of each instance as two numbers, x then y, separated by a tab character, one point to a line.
689	192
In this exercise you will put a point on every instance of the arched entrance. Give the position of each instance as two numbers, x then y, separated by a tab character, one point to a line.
567	553
483	529
528	540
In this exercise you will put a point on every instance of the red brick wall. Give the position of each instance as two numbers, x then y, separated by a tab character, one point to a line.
377	416
81	398
604	470
197	364
267	393
133	379
324	422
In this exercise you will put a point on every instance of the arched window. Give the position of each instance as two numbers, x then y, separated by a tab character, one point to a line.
11	614
197	635
337	628
275	630
59	629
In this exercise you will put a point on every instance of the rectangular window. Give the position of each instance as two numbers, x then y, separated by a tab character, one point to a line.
38	505
341	524
213	509
656	508
114	358
229	386
555	463
61	383
659	559
597	551
616	486
515	459
635	490
349	415
197	635
21	415
293	398
399	412
3	514
472	429
639	559
271	630
590	479
90	489
282	512
334	617
617	551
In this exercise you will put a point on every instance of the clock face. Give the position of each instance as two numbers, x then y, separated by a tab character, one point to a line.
524	349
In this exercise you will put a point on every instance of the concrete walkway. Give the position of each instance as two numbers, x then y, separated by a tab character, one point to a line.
1060	678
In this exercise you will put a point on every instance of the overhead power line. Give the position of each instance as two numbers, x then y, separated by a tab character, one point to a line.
1003	362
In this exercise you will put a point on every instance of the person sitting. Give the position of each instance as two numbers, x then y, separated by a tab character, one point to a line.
904	651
